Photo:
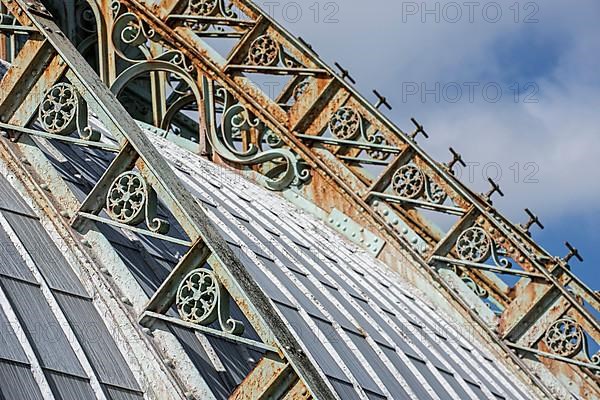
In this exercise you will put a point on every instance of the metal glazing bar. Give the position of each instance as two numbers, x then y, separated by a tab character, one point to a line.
213	20
352	143
357	160
553	356
68	139
144	232
17	29
216	34
499	270
276	70
420	203
209	331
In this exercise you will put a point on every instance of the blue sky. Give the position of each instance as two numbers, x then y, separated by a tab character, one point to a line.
543	58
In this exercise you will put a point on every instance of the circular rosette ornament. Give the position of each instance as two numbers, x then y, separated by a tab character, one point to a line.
58	110
408	182
203	7
564	338
264	51
345	123
474	245
198	297
127	198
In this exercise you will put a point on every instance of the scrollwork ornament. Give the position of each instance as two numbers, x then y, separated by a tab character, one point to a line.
345	123
564	337
59	109
203	7
408	182
435	193
594	359
211	8
130	201
272	139
202	300
376	153
478	290
176	58
236	119
264	51
300	89
129	31
63	111
126	198
474	245
115	7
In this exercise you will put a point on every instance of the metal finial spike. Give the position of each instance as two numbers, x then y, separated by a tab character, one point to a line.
456	159
495	189
345	73
382	101
419	130
533	219
573	252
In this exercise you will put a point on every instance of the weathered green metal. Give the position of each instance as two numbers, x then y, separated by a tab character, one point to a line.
319	121
136	146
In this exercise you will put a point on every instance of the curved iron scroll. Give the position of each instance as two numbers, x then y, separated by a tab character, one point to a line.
234	119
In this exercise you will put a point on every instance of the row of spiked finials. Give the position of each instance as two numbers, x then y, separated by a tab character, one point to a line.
458	159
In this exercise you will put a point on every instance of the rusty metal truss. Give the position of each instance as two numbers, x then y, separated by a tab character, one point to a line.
318	138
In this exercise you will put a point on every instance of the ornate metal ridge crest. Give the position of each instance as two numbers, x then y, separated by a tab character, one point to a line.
476	245
566	338
347	124
410	182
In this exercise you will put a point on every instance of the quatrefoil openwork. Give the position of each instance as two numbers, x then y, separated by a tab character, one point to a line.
126	198
202	300
474	245
345	123
63	111
203	7
58	109
564	337
130	200
264	51
408	182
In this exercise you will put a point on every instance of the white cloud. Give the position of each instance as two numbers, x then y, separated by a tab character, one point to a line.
561	133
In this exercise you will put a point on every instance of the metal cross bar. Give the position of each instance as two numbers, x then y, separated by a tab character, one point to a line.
553	356
382	101
533	219
495	189
485	267
456	159
419	130
573	252
345	73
